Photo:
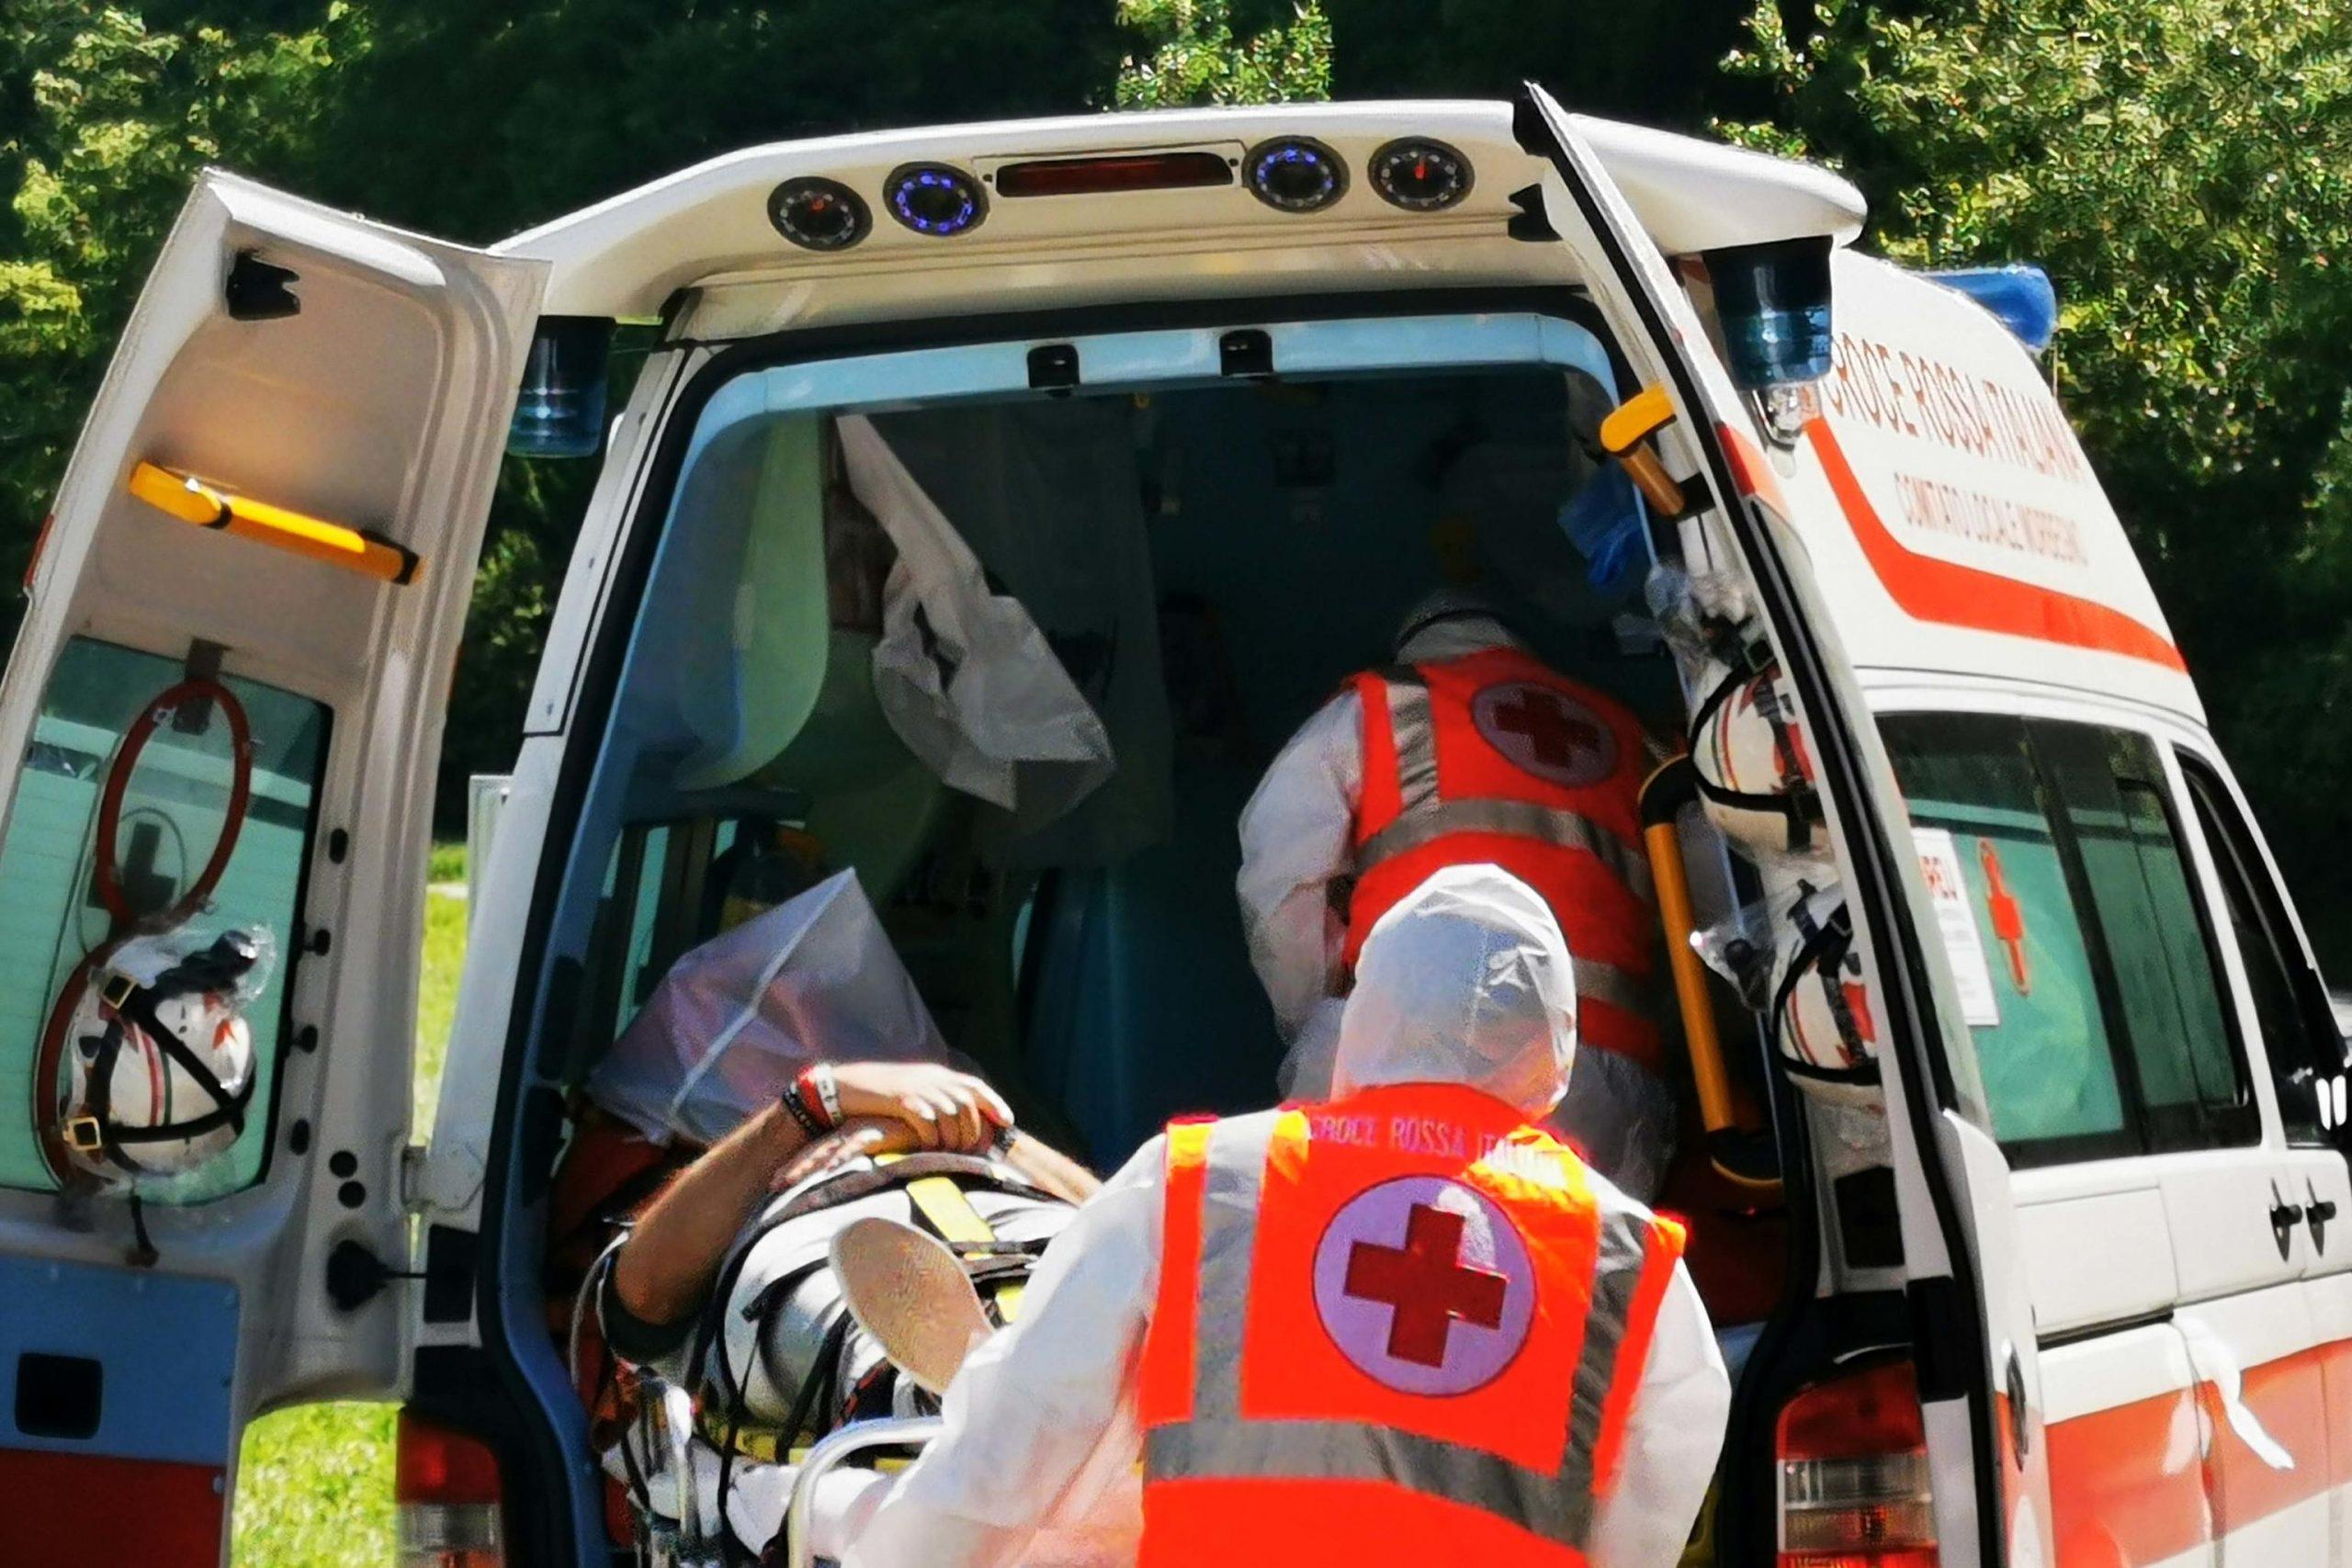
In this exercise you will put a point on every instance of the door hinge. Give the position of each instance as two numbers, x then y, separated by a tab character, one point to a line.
414	1167
443	1180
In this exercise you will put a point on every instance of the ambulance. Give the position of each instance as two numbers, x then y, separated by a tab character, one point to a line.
2013	1106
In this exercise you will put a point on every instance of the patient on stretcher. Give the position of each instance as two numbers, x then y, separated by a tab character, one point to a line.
784	1078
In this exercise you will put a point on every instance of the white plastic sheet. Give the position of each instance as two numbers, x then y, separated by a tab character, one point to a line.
962	672
814	979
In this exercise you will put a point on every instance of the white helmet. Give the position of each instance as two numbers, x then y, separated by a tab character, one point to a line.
160	1062
1754	773
1821	1015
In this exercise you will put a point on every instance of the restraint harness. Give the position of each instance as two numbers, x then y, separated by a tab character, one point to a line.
125	1005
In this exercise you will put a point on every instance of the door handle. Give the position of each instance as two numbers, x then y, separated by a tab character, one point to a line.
2284	1218
2319	1211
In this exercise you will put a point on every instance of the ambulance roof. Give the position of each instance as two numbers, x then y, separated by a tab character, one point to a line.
625	258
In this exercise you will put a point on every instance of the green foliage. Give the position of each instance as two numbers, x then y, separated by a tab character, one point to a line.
103	122
2184	170
1194	59
314	1488
1656	62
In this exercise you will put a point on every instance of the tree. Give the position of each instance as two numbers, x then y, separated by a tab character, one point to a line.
1194	59
1658	63
2183	168
104	121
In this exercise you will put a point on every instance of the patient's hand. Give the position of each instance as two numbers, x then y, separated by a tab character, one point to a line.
945	1108
858	1136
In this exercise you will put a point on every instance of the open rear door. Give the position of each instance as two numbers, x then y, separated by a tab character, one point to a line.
223	712
1971	1318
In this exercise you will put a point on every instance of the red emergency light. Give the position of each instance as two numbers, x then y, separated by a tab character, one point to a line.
1113	173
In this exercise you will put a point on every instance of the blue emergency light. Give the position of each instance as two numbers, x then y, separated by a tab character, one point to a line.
2019	295
561	410
1773	302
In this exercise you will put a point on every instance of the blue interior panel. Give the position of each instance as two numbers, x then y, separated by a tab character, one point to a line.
166	1348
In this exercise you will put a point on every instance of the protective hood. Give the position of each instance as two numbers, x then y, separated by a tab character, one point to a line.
1465	981
1449	622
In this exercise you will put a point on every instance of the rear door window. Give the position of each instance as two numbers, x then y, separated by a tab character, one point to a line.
177	793
2092	987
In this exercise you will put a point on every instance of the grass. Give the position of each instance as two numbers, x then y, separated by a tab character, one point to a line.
314	1483
447	864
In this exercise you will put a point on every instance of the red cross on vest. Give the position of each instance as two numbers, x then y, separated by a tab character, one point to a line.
1558	732
1427	1285
1491	758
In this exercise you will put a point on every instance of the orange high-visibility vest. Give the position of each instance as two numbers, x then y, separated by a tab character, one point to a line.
1401	1327
1492	758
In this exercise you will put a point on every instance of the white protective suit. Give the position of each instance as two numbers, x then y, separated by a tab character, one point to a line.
1296	837
1468	981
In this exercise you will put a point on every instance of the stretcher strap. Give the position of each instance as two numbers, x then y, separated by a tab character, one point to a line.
948	1211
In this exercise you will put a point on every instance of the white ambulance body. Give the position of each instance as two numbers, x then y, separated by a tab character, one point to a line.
2065	1286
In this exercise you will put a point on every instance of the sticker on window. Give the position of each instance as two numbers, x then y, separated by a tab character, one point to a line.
1956	923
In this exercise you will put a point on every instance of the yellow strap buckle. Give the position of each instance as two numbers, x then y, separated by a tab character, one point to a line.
116	991
83	1135
951	1213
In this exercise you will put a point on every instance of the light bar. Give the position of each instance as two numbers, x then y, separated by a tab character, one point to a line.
1116	173
2019	295
207	505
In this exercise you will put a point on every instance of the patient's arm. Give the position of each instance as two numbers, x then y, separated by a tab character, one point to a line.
665	1268
1051	1170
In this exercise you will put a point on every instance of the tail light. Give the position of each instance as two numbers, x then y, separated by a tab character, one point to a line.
1854	1484
446	1486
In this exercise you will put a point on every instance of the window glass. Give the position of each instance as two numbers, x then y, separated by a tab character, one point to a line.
177	796
2167	984
2086	965
2300	1037
2041	1041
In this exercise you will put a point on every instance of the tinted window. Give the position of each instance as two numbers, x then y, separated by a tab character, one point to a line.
2300	1037
2086	969
177	793
2167	981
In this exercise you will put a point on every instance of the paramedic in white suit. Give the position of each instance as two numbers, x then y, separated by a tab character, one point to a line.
1043	1425
1470	712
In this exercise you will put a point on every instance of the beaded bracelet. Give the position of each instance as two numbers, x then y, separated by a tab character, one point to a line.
795	1101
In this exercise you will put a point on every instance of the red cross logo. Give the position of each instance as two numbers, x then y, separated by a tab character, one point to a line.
1426	1285
1440	1315
2008	915
1546	732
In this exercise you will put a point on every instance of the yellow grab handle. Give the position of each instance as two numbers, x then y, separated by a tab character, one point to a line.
192	499
1663	793
1624	436
1713	1080
1635	420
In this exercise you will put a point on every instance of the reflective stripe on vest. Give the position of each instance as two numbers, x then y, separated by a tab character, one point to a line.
1591	868
1198	1356
1519	819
